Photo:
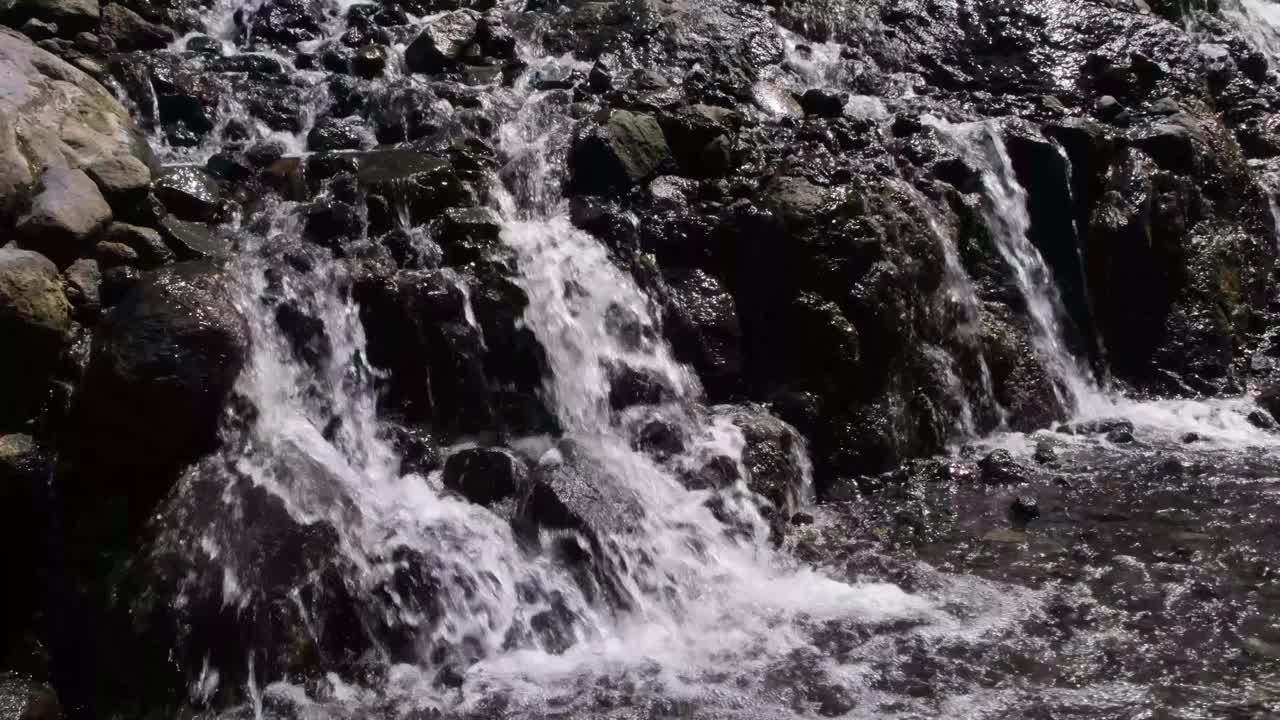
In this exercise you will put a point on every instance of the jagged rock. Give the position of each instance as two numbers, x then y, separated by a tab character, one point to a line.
467	234
130	31
84	288
443	41
148	245
369	61
1000	468
35	324
823	103
771	455
189	193
111	254
625	150
702	324
700	139
170	352
70	16
66	211
629	386
339	134
485	475
288	22
423	184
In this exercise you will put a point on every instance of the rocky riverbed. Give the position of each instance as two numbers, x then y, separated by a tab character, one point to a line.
640	358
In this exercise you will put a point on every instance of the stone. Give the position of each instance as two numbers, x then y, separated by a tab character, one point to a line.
1261	419
630	386
999	468
443	41
1269	399
130	31
339	134
170	352
627	149
84	288
424	184
53	115
123	180
66	211
1023	510
485	475
38	30
823	103
772	455
69	15
189	193
702	324
35	327
117	282
110	254
146	243
193	240
370	61
1120	436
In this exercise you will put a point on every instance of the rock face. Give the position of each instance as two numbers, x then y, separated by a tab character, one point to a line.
52	115
35	320
67	210
170	352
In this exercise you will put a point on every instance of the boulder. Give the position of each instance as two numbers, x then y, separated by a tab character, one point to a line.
147	243
485	475
823	103
1000	468
339	134
702	325
84	288
189	193
66	211
443	41
170	353
773	455
130	31
193	240
35	326
53	115
122	179
625	150
71	16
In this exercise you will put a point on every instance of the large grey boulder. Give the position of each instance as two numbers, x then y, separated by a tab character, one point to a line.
53	115
35	325
67	210
624	150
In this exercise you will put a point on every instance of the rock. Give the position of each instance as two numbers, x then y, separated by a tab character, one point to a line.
117	282
53	115
110	254
468	234
38	30
66	211
426	185
999	468
659	437
702	325
189	193
823	103
485	475
630	386
70	16
146	243
796	199
443	41
84	288
130	31
1023	510
773	455
1045	453
625	150
170	352
369	61
1097	427
1269	399
193	240
1261	420
35	324
123	179
339	134
1120	436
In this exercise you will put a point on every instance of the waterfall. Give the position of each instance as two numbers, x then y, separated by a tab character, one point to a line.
1009	222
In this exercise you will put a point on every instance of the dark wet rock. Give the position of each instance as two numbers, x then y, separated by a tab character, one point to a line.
123	180
659	436
117	282
1000	468
1097	427
423	184
700	138
485	475
189	193
1269	399
288	22
193	240
772	456
305	333
624	150
1261	420
147	244
70	16
170	352
338	134
35	322
128	30
702	325
442	43
369	61
332	224
823	103
66	211
1045	453
83	279
1120	436
1023	510
630	386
